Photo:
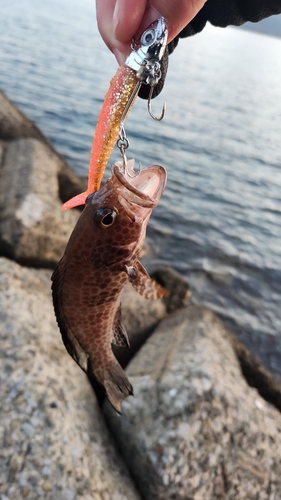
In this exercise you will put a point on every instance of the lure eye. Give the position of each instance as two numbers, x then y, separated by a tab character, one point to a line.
105	217
148	37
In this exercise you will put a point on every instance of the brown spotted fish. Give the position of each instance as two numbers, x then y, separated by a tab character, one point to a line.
100	258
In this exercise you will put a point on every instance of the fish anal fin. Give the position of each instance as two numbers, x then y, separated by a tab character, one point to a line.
116	384
119	334
143	284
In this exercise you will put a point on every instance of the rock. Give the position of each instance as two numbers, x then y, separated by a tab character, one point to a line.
179	289
256	374
139	316
15	125
54	444
69	184
33	228
195	429
1	152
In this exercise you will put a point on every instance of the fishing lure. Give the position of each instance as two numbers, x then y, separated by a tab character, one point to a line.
142	66
100	258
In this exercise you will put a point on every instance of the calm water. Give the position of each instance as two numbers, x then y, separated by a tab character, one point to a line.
219	222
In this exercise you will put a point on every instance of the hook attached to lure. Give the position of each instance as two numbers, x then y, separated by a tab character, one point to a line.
157	118
145	59
142	66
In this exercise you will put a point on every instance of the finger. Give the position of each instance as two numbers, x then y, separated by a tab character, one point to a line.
127	18
121	20
178	13
118	21
104	14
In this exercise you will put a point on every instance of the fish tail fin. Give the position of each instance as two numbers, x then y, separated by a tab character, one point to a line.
116	384
76	201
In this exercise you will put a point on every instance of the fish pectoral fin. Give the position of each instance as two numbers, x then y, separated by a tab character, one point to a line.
119	334
143	284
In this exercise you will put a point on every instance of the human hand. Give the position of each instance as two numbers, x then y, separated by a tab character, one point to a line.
121	20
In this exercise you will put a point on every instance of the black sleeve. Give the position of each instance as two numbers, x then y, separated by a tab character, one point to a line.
228	12
220	13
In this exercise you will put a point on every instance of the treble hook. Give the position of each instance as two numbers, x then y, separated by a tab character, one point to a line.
158	119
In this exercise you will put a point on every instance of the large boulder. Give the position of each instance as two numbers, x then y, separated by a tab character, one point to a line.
170	279
140	316
33	228
54	444
15	125
195	429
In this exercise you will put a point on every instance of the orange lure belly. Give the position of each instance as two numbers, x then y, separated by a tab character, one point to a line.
107	130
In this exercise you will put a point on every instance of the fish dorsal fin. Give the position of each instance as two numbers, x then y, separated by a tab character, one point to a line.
72	345
119	334
143	284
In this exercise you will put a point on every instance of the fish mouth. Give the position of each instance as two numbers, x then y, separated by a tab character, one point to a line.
145	187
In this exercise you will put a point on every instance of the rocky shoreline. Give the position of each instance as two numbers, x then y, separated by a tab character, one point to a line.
205	420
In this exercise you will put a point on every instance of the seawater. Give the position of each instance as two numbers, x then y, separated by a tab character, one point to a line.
219	221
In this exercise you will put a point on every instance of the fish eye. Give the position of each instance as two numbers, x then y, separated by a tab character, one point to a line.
148	37
105	217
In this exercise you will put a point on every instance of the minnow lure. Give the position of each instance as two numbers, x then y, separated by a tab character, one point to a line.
141	66
100	258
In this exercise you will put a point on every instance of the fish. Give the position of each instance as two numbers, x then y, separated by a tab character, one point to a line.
141	67
102	255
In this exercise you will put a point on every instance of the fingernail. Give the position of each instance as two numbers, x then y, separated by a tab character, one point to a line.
150	15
